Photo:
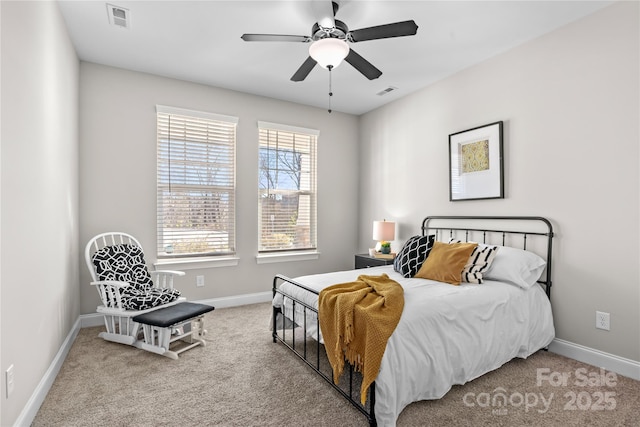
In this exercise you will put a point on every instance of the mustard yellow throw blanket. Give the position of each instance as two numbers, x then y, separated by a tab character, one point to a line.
356	320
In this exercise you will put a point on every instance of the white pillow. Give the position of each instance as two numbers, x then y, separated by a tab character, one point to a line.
516	266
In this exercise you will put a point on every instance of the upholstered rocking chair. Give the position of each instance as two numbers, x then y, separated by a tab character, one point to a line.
131	298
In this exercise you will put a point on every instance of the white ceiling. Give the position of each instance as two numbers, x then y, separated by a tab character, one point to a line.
199	41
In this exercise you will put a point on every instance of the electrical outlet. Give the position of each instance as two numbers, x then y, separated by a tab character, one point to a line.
199	281
9	380
602	320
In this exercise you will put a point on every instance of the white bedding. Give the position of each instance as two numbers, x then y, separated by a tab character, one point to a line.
447	334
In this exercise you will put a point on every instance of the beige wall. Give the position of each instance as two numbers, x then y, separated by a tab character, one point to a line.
118	173
570	103
39	180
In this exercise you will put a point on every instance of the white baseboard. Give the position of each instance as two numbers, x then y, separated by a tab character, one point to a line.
619	365
239	300
90	320
35	401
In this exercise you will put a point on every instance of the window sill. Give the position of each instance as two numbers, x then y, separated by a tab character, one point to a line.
195	263
286	257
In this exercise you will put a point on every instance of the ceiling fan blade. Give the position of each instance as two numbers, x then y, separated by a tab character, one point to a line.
398	29
362	65
324	11
304	70
274	38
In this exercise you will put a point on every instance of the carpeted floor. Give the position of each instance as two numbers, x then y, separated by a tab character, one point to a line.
241	378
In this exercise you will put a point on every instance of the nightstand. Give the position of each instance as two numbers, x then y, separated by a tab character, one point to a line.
366	261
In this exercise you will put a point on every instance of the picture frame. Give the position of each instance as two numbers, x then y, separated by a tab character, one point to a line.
476	163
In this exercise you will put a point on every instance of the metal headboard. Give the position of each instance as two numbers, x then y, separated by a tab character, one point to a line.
526	226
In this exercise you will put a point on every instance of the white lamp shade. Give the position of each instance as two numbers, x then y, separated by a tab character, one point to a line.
384	230
329	51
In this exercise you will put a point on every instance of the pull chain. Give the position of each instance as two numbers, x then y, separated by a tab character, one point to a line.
330	67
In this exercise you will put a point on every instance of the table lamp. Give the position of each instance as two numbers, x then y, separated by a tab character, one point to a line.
383	231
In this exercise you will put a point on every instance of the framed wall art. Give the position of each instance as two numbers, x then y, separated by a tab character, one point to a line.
476	164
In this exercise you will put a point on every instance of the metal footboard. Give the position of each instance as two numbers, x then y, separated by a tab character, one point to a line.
311	351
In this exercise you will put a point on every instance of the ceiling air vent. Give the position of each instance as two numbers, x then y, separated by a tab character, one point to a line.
386	91
118	16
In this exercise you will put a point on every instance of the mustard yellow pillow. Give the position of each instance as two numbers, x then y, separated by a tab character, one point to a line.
446	262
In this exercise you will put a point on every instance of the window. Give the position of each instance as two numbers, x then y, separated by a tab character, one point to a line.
287	188
196	183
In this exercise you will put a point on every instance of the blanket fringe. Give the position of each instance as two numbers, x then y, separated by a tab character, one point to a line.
354	358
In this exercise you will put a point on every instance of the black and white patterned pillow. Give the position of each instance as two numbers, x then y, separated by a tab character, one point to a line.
479	262
412	255
125	263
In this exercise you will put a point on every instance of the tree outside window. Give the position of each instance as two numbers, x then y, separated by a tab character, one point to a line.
287	189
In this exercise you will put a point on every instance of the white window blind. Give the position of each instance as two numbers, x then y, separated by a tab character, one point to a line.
287	188
196	183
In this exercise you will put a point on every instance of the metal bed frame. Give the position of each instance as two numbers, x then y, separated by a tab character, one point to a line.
310	352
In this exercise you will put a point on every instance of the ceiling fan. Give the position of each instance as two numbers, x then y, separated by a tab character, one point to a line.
329	41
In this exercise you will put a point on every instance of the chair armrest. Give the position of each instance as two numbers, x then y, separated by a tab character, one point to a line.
114	283
109	291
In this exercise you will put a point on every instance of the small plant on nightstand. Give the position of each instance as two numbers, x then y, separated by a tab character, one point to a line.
385	247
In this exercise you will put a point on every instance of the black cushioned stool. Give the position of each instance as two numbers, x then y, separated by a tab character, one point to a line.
164	326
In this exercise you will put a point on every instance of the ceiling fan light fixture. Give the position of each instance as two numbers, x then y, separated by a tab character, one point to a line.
329	52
